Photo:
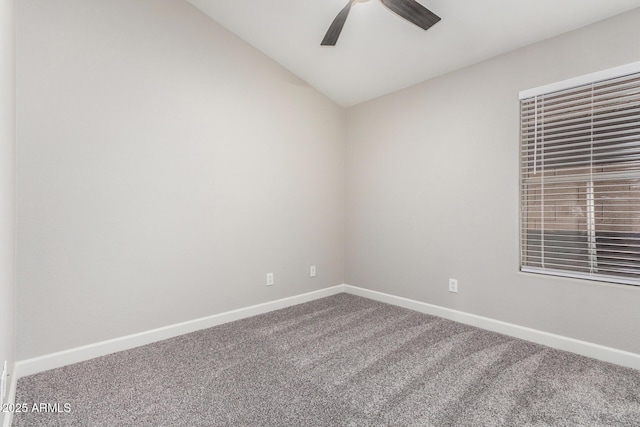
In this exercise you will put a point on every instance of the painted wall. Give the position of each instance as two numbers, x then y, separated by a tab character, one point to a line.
432	192
164	167
7	184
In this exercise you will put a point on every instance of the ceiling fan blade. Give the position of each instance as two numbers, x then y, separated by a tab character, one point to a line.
413	12
335	29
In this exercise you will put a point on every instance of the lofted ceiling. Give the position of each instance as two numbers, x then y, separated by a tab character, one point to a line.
379	52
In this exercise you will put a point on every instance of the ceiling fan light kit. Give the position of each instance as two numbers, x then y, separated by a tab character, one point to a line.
410	10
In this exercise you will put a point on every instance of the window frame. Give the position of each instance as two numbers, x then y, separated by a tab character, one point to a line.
586	79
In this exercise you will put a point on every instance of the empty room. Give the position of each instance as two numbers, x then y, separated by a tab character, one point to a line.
320	213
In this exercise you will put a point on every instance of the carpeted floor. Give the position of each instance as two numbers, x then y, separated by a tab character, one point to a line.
338	361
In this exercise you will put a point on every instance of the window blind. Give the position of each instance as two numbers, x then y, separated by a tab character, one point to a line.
580	181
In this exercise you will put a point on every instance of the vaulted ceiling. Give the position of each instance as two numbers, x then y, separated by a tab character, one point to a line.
379	52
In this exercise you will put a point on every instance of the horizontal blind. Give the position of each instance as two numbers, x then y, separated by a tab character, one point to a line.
580	181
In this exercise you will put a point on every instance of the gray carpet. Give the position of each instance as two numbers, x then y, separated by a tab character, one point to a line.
338	361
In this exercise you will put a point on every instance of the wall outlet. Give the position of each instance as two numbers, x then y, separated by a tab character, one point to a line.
269	279
312	271
453	285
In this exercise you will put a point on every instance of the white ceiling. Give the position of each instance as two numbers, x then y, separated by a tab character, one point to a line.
379	52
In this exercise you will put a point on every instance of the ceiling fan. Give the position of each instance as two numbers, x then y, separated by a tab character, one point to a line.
410	10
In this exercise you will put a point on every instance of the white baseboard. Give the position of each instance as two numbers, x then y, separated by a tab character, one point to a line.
11	398
584	348
86	352
79	354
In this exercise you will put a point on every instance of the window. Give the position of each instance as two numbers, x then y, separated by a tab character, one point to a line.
580	177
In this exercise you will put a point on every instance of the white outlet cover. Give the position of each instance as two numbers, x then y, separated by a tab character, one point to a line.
453	285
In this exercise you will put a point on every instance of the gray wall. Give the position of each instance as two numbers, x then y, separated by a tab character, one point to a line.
432	192
164	167
7	184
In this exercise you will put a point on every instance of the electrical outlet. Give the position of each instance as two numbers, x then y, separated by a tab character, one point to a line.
312	271
453	285
269	279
